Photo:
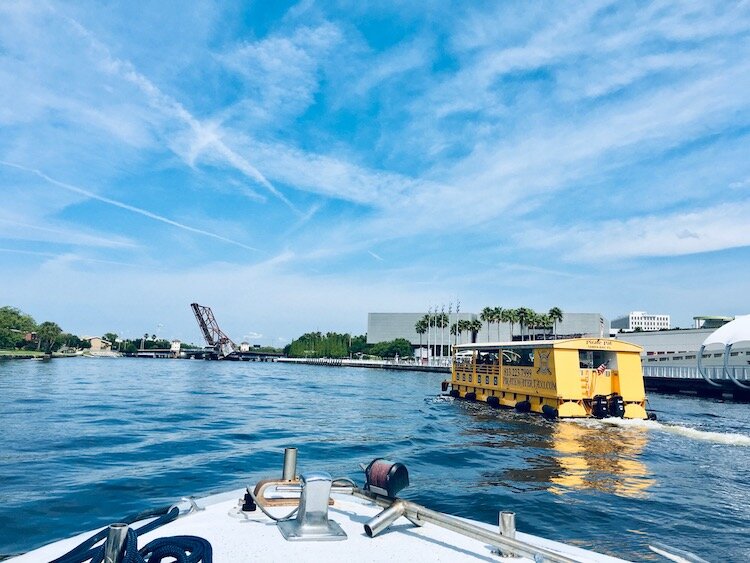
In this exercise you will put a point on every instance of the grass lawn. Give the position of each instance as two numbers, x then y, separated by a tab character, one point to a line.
20	353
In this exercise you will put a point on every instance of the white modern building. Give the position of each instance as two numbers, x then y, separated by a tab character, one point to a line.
641	320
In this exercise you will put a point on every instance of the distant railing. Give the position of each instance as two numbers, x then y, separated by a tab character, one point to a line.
691	372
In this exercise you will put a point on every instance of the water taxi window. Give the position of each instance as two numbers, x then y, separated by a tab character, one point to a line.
494	380
593	359
518	357
462	358
487	358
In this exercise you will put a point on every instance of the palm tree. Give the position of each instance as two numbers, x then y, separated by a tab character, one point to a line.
457	328
463	326
557	316
421	328
532	322
511	317
488	315
523	314
442	322
497	317
475	326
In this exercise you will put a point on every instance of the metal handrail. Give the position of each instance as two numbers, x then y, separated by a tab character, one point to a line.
414	511
419	515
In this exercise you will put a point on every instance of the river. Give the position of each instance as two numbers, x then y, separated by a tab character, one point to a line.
85	442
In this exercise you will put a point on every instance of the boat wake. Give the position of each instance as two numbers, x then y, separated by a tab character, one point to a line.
722	438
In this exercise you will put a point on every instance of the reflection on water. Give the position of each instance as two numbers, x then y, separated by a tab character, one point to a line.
564	455
593	456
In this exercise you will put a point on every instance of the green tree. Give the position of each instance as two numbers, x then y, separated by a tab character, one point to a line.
421	327
359	345
111	337
497	317
14	325
47	335
399	347
556	314
524	315
488	315
511	317
474	327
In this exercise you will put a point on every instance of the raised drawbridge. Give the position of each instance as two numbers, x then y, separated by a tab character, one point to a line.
215	337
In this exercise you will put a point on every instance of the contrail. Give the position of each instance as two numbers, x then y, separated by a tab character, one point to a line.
171	106
70	256
127	207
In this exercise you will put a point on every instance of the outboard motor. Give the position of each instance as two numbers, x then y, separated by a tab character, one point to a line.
600	406
617	406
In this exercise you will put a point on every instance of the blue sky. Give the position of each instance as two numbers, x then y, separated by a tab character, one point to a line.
297	165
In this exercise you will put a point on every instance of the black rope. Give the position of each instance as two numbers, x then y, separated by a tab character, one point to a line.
183	549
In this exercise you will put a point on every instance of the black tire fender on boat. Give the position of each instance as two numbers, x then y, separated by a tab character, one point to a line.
454	393
470	396
493	401
523	406
549	411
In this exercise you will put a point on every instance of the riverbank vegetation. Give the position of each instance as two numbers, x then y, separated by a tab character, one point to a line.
20	335
335	345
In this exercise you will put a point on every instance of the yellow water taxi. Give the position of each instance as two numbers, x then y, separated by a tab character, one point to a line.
575	377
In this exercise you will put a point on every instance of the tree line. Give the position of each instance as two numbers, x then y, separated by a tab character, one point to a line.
19	331
335	345
523	317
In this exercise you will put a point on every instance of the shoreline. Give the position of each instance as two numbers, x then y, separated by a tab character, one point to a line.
372	364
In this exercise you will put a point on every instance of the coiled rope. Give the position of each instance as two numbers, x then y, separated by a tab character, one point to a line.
182	549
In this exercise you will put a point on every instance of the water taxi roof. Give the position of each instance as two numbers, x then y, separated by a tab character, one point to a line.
592	343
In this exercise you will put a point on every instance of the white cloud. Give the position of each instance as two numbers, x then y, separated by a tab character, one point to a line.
280	73
670	234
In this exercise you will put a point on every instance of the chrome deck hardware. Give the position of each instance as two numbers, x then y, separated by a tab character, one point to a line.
114	545
508	529
290	464
312	523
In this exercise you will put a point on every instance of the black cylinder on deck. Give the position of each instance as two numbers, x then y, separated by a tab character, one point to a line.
600	406
386	477
444	386
616	406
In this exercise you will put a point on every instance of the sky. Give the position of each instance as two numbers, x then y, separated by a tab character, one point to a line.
295	166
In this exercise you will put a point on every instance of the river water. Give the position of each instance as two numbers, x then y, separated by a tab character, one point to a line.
85	442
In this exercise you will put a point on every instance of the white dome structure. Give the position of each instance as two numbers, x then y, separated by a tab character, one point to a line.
728	335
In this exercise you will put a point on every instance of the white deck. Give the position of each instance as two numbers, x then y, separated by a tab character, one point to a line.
236	538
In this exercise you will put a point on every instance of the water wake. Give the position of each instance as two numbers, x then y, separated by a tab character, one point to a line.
724	438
